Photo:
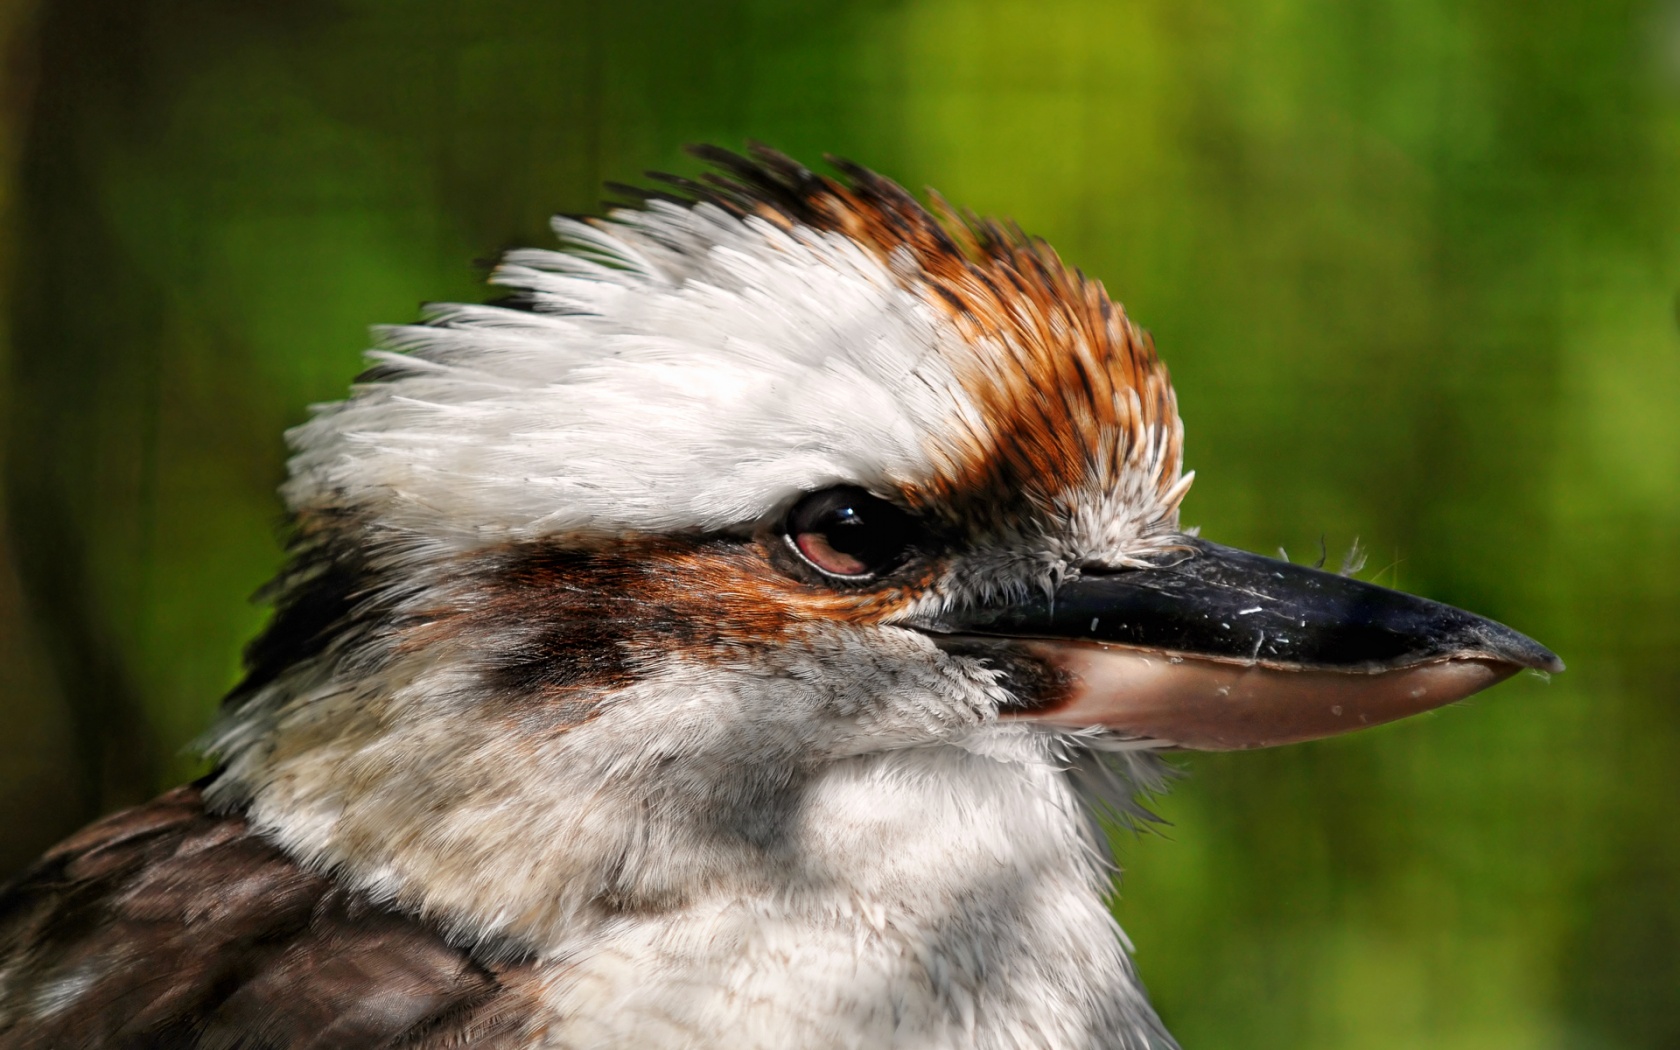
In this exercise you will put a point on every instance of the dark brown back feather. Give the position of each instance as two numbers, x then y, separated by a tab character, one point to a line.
167	926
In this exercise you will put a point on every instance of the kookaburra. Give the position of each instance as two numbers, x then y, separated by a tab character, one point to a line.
716	645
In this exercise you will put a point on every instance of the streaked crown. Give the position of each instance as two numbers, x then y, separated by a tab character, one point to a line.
699	360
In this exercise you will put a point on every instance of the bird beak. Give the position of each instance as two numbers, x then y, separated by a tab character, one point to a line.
1217	649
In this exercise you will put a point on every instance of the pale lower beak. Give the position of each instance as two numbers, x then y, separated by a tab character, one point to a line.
1217	649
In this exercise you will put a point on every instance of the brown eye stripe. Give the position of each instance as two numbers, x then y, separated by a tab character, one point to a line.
551	618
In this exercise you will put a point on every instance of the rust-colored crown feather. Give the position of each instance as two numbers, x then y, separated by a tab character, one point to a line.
1070	392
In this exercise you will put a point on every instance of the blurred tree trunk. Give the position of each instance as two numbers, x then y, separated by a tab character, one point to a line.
47	753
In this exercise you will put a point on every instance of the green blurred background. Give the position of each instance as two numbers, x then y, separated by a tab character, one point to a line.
1413	262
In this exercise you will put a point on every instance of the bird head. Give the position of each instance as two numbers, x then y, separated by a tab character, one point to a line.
766	478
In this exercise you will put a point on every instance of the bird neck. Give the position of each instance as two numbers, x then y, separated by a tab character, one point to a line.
950	894
701	837
942	896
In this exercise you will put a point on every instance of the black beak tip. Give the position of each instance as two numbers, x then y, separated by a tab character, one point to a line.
1521	650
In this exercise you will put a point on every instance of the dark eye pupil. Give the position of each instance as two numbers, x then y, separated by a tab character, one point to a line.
848	532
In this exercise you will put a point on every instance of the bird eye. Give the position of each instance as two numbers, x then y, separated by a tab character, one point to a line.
848	533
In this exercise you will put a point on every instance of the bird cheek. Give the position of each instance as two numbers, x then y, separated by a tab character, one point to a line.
1035	684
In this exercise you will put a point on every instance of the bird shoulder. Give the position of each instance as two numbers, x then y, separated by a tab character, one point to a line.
170	925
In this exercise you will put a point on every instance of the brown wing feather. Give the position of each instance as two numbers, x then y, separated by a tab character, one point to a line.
167	926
